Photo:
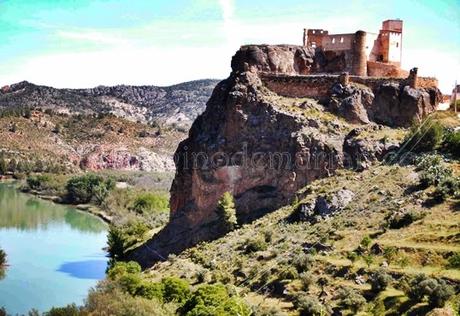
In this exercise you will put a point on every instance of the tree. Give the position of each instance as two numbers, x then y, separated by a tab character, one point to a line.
226	211
379	280
3	165
12	165
2	257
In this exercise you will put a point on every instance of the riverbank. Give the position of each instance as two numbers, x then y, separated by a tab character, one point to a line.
87	208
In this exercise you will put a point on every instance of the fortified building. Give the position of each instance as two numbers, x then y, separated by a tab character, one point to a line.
362	53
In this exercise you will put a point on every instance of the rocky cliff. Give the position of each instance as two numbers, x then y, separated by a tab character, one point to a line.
262	147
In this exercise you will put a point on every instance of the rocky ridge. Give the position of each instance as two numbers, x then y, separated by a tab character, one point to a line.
178	104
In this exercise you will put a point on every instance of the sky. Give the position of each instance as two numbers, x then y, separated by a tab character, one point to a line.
86	43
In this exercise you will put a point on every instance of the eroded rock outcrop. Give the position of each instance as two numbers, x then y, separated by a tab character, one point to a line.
247	146
262	146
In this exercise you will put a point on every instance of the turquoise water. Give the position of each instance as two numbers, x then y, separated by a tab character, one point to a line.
55	253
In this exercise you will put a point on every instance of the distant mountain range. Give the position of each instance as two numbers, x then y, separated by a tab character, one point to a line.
173	105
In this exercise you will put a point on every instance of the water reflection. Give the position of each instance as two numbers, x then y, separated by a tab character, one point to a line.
88	269
38	214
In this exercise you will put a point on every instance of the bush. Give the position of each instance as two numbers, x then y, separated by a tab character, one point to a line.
214	300
150	203
366	241
303	262
309	306
108	299
37	182
226	211
402	219
425	161
436	291
69	310
288	273
83	189
3	165
255	244
424	137
121	238
175	290
451	142
121	268
350	299
130	282
379	280
447	187
151	290
2	258
434	174
454	261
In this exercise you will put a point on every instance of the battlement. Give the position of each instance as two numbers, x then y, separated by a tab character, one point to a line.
319	86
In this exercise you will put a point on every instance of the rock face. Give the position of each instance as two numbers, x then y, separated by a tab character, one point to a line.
392	104
398	105
247	146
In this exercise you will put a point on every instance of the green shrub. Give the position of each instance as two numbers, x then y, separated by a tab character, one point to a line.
121	238
350	299
130	282
151	290
214	300
82	189
424	137
175	290
37	182
454	261
425	161
3	165
403	219
447	187
150	203
289	273
2	257
69	310
451	142
255	244
433	175
436	291
309	306
352	256
226	211
366	241
379	280
390	253
122	268
303	262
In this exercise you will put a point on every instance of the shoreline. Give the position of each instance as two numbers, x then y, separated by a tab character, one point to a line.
87	208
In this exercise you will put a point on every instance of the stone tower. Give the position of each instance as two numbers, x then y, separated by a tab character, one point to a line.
359	63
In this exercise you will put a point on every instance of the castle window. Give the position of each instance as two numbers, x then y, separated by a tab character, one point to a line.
341	40
333	40
313	32
397	44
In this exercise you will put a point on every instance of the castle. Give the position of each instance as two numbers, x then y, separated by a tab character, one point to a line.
362	53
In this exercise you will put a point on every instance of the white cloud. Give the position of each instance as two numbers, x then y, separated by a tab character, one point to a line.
92	36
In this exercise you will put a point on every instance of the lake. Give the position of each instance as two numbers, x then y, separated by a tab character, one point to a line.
54	252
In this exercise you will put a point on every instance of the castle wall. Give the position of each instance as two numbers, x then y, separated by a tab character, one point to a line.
379	69
319	85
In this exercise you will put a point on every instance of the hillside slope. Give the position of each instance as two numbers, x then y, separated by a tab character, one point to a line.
178	104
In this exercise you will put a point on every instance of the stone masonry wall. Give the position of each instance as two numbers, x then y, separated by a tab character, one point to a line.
317	86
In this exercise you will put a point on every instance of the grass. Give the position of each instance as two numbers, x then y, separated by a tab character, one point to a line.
257	274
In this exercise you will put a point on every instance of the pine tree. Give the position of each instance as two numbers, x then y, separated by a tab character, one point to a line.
227	212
